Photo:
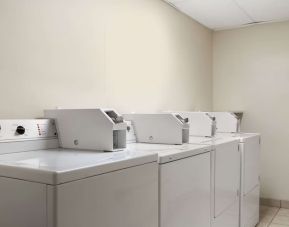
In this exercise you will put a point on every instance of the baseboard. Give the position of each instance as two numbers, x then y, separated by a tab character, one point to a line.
285	204
274	203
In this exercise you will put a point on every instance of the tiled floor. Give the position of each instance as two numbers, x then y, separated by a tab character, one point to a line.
273	217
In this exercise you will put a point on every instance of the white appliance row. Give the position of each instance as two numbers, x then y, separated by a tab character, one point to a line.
228	125
223	181
161	174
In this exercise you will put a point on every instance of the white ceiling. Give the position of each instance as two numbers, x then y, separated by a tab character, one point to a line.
224	14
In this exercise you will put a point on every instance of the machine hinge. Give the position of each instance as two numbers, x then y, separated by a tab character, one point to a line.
260	140
239	147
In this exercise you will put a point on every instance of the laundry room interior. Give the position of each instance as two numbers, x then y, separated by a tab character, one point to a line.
144	113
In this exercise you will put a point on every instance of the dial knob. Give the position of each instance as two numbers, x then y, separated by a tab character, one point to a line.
20	130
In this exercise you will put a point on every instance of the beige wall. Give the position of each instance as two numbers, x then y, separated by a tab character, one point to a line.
133	55
251	73
143	55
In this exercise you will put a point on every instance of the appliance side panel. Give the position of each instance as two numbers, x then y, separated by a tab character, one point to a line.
251	208
251	163
22	203
229	218
213	161
227	176
124	198
51	197
185	192
242	180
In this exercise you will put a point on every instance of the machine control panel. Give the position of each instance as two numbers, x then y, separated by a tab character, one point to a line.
90	129
117	119
18	130
159	128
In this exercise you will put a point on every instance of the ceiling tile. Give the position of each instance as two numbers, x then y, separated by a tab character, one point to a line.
266	10
215	14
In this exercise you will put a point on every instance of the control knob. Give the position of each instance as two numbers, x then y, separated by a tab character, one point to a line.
20	130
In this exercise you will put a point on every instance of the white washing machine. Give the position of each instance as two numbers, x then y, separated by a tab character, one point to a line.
225	167
184	183
249	145
184	171
229	125
226	159
42	185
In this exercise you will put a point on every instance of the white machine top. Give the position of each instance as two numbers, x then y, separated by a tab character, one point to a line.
168	153
242	137
214	141
29	150
57	166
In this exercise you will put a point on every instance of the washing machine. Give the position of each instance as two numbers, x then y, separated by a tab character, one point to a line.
184	183
42	185
229	125
249	145
184	169
225	166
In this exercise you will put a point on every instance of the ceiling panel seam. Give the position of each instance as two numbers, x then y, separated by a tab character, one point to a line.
244	11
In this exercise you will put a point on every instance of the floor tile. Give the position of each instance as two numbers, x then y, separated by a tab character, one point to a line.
285	204
262	224
276	225
273	217
281	220
264	210
267	214
283	212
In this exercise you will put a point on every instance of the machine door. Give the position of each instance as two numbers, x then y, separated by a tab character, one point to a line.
185	192
124	198
251	153
227	176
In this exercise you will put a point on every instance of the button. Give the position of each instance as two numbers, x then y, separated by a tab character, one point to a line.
20	130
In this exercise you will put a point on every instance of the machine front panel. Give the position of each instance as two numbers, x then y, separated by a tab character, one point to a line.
185	192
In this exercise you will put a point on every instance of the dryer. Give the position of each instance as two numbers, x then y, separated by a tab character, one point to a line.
42	185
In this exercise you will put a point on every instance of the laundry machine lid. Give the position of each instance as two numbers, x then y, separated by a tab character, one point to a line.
168	153
243	137
57	166
214	141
